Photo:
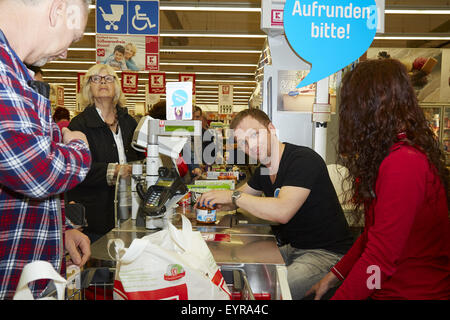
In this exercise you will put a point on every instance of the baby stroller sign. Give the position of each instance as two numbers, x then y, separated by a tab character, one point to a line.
128	17
112	17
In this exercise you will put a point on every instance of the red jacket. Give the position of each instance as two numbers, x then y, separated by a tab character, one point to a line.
406	240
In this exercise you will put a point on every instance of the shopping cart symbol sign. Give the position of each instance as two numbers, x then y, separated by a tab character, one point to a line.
112	16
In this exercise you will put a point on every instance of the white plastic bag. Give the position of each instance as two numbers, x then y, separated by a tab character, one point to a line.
37	270
169	264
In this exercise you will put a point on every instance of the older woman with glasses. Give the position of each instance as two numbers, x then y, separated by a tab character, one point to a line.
109	129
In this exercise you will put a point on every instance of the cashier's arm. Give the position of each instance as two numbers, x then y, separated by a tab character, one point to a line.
280	209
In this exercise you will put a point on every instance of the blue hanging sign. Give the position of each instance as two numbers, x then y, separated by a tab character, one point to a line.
329	34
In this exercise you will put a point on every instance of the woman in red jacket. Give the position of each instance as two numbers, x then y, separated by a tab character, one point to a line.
398	174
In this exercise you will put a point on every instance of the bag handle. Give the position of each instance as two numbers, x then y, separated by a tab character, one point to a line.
186	231
127	255
119	247
37	270
138	245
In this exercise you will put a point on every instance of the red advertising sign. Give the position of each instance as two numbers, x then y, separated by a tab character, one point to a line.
152	53
152	61
277	17
188	77
79	81
130	82
152	44
157	83
60	96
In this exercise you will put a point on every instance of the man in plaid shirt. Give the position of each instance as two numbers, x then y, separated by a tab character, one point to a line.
37	162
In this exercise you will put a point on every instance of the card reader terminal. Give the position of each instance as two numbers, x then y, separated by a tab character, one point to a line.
154	200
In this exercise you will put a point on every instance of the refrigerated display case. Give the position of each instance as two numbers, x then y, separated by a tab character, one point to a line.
438	117
446	132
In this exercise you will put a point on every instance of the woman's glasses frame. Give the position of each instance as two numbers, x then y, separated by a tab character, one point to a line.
98	79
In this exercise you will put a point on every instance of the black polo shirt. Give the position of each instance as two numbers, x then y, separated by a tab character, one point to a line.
320	222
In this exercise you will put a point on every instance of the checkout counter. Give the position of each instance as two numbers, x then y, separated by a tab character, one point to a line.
242	245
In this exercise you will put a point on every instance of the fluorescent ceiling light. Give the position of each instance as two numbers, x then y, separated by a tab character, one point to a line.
200	8
61	78
226	81
388	10
216	92
202	35
214	73
399	10
207	64
214	104
167	72
216	87
208	8
412	37
63	70
72	62
210	51
81	49
214	35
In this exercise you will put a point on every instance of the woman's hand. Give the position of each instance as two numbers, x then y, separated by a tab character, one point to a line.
124	169
321	287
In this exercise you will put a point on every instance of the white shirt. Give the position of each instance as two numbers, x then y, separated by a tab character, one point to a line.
118	139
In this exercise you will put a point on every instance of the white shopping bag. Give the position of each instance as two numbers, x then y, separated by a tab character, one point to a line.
37	270
169	264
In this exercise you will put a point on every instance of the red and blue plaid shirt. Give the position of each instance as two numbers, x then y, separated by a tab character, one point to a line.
35	167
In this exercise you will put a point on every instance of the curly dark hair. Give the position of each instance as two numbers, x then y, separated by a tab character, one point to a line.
61	113
158	111
377	101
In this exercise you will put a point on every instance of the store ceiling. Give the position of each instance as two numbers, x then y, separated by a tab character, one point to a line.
235	59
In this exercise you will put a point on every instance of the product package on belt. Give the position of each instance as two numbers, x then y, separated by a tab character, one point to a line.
169	264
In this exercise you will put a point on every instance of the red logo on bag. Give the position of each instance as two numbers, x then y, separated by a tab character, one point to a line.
174	272
178	292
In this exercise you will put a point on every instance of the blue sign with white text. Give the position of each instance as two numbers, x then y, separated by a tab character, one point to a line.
329	34
112	16
143	17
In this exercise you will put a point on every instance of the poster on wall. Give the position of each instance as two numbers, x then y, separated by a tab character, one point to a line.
179	100
124	52
424	67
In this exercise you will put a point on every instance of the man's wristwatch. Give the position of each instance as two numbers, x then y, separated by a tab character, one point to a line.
236	195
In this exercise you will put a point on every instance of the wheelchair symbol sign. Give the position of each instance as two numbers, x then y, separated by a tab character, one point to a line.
143	17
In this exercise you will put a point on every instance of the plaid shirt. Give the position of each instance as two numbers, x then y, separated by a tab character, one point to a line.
35	167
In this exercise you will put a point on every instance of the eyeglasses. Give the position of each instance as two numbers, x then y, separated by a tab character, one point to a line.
97	79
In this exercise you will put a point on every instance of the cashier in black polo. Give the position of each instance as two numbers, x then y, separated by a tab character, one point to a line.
312	231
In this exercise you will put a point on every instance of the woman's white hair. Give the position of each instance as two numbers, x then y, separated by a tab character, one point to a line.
86	97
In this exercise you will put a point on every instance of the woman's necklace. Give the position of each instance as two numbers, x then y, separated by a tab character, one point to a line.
113	124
